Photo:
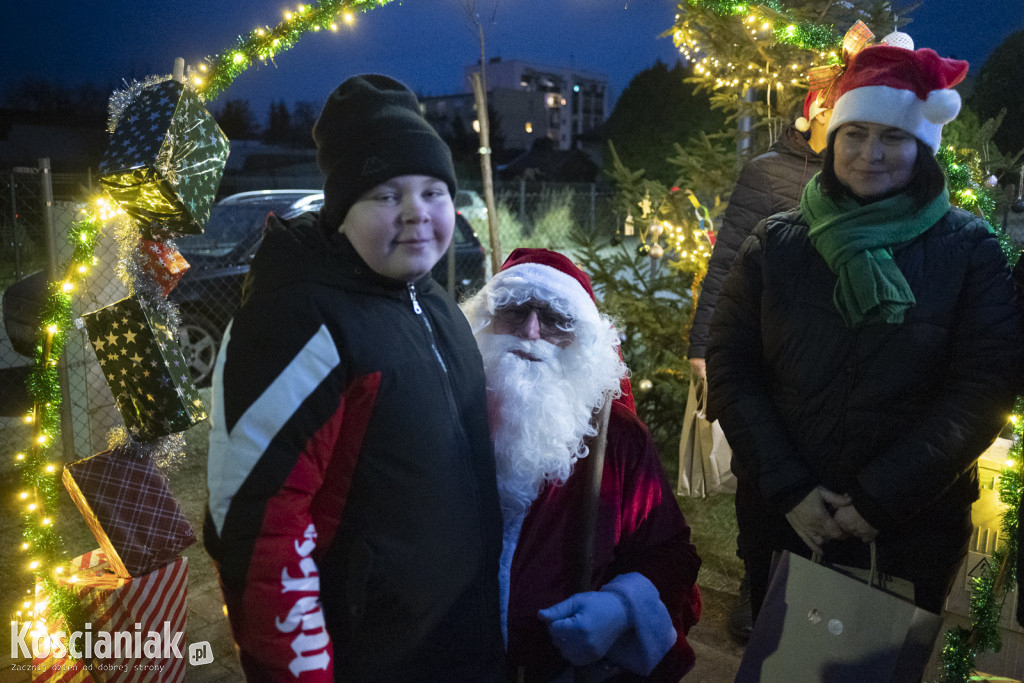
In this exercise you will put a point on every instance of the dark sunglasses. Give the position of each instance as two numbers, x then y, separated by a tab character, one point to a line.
551	322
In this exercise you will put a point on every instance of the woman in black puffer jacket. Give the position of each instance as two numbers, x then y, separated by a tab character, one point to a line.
865	347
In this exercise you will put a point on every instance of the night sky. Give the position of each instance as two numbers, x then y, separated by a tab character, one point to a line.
425	43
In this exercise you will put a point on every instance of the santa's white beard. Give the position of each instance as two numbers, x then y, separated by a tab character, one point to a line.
541	411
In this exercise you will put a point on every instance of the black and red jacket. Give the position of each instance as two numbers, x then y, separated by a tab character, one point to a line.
353	508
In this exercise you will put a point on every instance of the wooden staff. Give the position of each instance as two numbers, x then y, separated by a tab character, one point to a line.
591	505
592	498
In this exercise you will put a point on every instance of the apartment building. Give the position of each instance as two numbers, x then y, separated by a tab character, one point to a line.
531	101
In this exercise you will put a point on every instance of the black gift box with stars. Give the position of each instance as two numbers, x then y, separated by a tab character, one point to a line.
165	160
145	369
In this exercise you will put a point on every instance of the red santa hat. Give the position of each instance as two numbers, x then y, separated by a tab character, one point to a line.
906	89
547	275
812	107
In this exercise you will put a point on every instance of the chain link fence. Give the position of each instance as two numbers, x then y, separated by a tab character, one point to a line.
37	211
542	214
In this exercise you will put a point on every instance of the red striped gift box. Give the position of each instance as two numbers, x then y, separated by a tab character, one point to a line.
144	615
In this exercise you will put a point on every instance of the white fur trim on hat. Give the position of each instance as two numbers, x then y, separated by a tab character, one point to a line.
547	283
898	108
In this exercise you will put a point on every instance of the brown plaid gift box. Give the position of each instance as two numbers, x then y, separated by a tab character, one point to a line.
130	510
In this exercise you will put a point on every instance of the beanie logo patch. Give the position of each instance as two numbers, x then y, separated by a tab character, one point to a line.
373	166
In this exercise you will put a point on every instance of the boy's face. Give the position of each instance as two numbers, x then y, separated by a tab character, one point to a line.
402	227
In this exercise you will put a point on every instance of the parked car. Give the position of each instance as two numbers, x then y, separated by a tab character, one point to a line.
471	205
211	289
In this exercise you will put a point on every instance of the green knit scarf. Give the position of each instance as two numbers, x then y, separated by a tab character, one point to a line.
857	240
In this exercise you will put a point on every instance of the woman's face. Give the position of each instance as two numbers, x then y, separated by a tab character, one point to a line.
872	159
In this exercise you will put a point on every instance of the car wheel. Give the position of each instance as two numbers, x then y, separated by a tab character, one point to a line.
199	341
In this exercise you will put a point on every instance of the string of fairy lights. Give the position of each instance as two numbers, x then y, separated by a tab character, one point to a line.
765	25
261	45
39	465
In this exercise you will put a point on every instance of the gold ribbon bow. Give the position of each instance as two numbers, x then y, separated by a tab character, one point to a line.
825	78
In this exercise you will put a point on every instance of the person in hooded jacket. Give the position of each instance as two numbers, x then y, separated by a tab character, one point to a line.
353	510
865	346
768	184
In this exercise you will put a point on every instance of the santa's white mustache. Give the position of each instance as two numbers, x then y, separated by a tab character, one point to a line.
535	350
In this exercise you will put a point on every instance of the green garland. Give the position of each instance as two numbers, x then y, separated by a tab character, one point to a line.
988	591
39	474
808	36
963	169
262	45
802	34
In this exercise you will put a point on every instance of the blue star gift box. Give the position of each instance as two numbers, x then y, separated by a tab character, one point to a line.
165	160
145	369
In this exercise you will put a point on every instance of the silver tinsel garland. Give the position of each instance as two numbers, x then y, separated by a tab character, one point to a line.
132	270
167	451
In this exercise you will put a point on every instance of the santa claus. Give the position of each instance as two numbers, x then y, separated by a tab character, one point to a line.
552	361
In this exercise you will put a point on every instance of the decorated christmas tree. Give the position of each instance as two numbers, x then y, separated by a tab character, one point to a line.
755	60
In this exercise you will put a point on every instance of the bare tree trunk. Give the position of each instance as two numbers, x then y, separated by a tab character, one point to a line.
480	96
480	99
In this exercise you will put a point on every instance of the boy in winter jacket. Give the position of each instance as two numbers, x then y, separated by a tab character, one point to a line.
353	511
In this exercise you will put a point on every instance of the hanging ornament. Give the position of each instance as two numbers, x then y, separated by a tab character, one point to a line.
645	205
656	230
627	228
992	181
656	251
899	39
645	385
643	249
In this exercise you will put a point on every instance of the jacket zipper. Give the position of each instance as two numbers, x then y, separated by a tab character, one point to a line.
453	406
418	310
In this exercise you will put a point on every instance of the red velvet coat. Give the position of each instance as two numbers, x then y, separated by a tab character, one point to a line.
640	529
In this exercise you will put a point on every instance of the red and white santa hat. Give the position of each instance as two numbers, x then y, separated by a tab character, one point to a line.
812	107
906	89
552	277
547	275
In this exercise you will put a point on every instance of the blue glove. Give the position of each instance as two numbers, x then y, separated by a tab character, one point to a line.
585	625
652	634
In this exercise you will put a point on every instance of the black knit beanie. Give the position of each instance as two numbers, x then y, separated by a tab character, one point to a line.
371	130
